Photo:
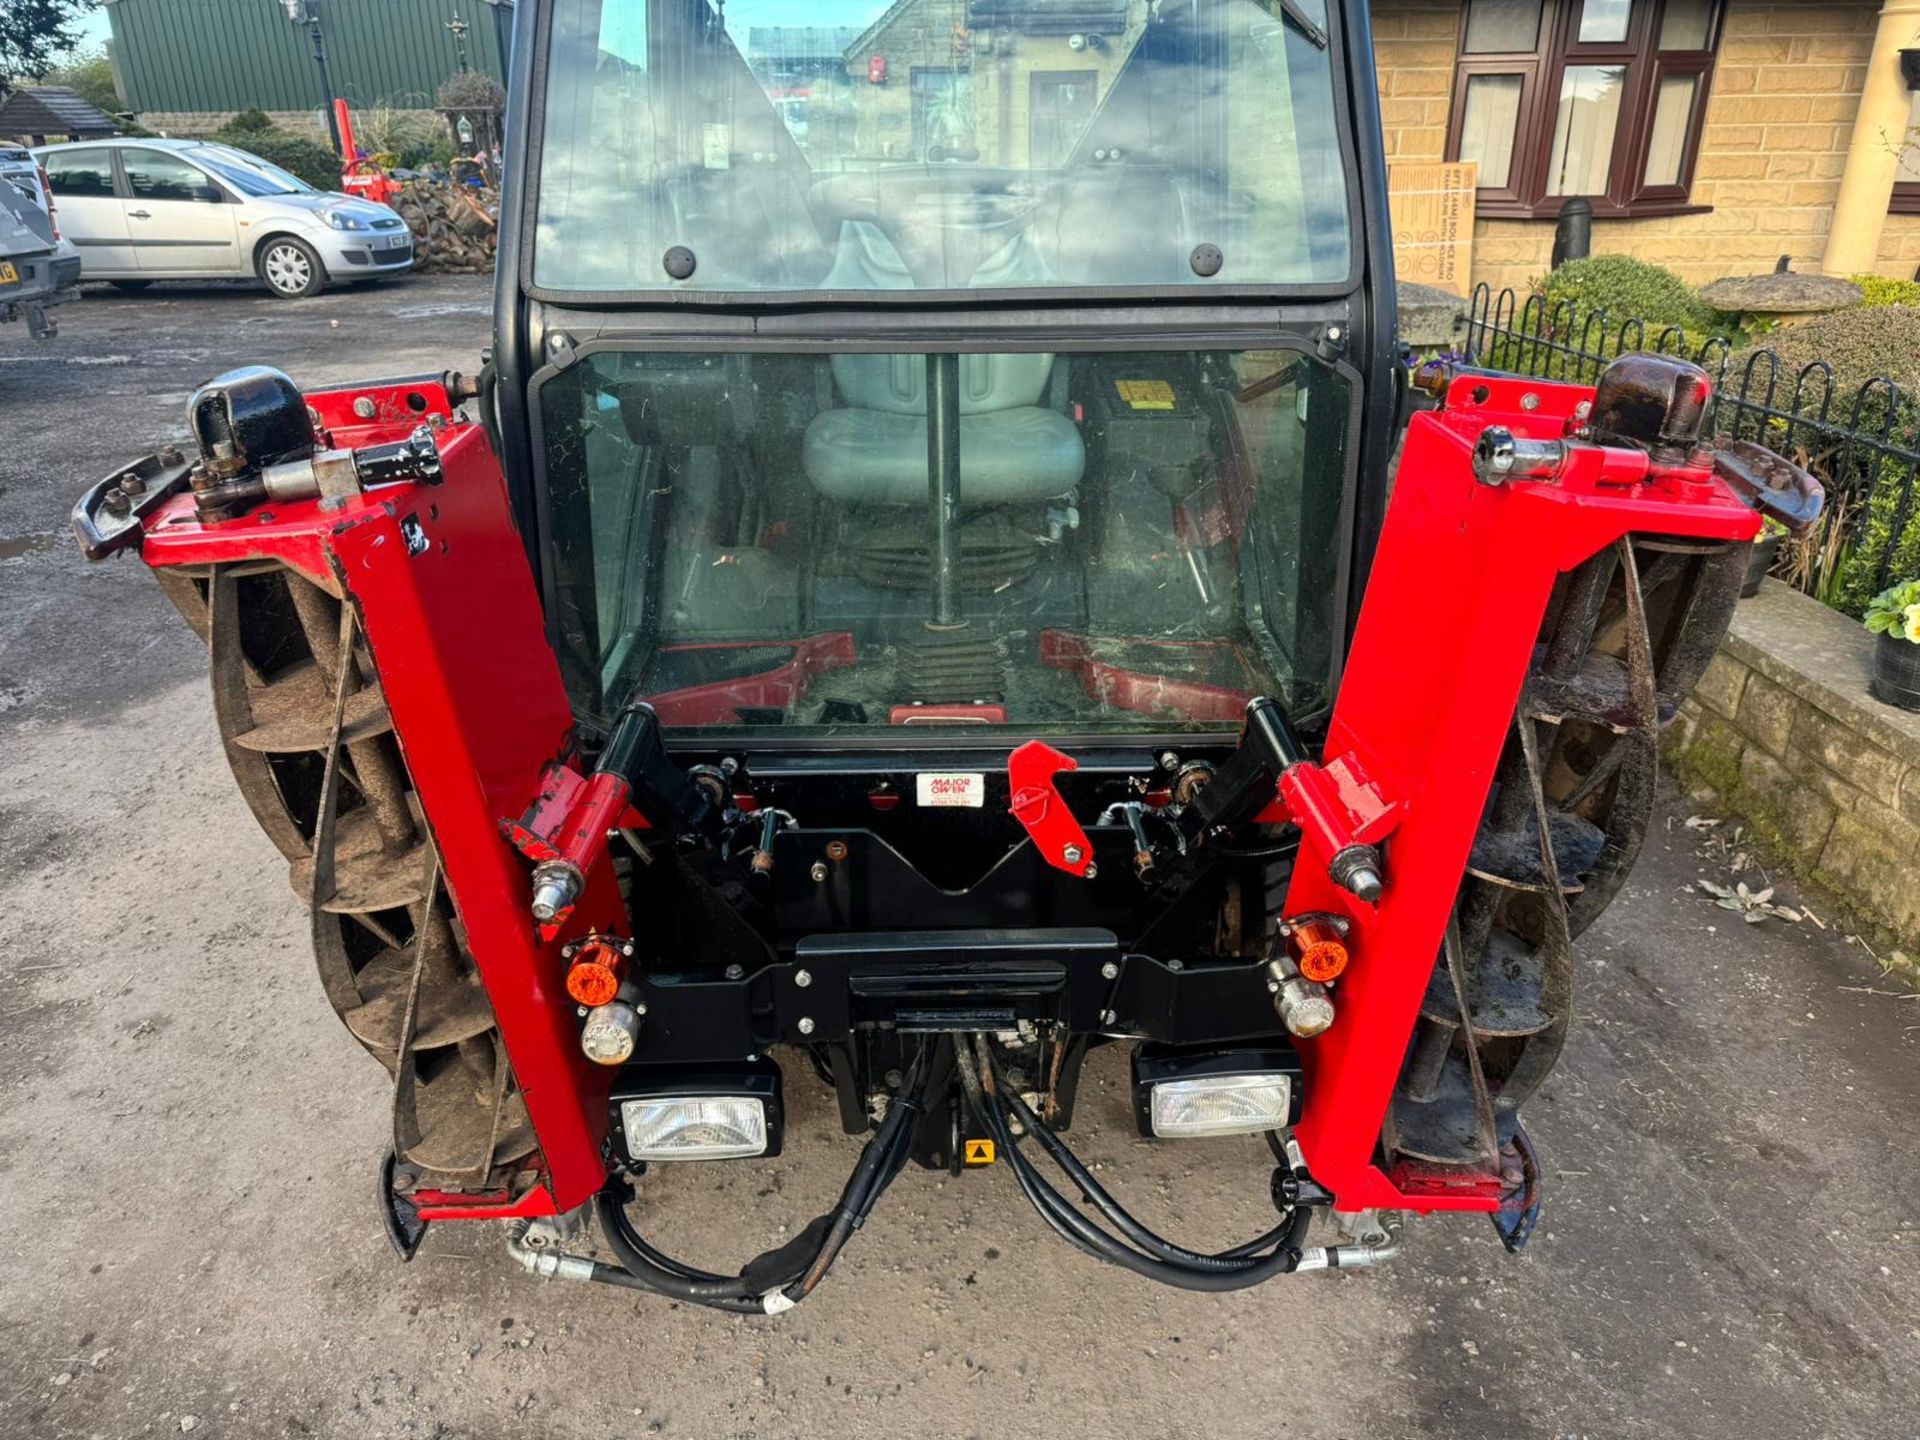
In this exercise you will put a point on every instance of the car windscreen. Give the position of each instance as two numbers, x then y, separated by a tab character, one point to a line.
855	145
251	175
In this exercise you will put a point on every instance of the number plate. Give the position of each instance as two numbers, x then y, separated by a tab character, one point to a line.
8	275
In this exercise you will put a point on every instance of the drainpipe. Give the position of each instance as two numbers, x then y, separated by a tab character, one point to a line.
1873	156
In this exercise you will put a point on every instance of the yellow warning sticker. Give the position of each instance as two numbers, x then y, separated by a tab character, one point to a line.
979	1152
1146	394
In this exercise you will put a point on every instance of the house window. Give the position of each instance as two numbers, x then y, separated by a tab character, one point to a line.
1906	179
1059	105
1600	98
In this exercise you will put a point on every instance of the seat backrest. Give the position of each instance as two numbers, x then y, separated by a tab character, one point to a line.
898	383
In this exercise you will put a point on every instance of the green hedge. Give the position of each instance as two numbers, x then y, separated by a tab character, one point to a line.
1881	341
1630	289
1877	291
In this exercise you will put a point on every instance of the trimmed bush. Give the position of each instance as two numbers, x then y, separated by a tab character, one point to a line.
249	122
1877	291
1632	289
1859	344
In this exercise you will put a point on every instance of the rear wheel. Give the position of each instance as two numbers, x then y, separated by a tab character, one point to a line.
290	268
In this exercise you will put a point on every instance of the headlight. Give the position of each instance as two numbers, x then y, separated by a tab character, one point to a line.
696	1113
694	1127
1189	1092
1220	1105
342	220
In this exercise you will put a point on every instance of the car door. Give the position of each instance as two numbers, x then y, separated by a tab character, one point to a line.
91	214
180	220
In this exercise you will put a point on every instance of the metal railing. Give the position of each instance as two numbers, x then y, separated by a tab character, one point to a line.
1864	445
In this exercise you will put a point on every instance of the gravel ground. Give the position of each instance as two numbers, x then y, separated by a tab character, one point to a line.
187	1138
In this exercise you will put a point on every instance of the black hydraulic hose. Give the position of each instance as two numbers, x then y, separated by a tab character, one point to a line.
1224	1273
1103	1200
644	1267
656	1258
619	1233
628	1278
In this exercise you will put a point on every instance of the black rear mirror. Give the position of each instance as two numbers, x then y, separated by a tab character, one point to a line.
208	194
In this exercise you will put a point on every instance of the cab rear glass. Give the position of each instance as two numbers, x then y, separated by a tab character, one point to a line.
1137	541
762	146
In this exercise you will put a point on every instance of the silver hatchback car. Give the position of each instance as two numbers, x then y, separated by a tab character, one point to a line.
145	210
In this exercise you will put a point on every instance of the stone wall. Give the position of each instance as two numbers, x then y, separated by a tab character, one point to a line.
1782	734
193	124
1786	83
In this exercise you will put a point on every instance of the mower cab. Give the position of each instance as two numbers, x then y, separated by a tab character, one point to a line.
913	597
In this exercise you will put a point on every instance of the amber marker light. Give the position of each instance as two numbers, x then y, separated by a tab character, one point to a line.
594	977
1318	950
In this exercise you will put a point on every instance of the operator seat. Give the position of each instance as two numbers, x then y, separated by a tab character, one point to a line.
872	450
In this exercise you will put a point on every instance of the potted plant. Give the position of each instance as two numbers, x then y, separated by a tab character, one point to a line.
1894	616
1766	547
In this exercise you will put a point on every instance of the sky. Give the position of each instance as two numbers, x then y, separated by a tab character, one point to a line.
93	31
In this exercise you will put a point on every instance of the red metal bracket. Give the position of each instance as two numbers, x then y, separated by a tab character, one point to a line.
1460	580
1037	806
1335	805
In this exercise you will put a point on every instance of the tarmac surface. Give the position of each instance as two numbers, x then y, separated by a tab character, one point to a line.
1730	1248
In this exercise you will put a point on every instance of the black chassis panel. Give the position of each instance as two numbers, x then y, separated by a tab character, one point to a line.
953	980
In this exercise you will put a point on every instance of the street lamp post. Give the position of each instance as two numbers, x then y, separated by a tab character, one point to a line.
459	29
307	12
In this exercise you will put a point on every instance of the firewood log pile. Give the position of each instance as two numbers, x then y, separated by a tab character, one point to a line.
454	226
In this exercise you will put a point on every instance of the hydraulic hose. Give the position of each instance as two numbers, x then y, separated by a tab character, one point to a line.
1114	1211
781	1278
1148	1255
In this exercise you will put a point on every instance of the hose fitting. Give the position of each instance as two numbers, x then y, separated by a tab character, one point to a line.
547	1264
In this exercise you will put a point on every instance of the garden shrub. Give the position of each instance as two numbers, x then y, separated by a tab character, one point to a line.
1861	345
1630	289
1877	291
249	122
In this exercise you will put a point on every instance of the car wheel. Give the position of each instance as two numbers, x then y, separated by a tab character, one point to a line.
290	268
130	284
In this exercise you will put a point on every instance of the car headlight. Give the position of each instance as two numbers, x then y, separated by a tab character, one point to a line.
343	220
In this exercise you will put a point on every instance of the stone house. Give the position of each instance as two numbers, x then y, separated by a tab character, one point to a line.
1711	136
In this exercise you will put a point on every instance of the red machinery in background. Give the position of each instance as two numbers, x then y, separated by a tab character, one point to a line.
359	174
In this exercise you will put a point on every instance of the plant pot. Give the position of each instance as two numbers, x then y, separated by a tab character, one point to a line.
1896	671
1759	562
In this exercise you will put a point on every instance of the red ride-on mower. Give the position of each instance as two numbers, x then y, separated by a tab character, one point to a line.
913	597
